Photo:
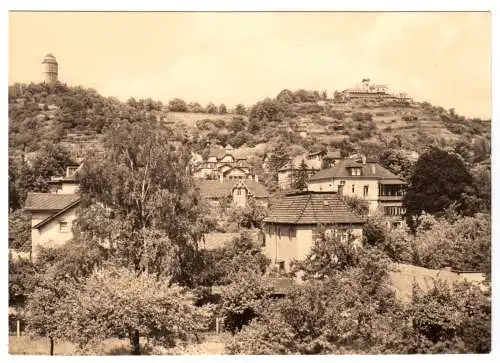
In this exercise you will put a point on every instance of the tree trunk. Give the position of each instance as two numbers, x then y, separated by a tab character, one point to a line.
135	348
51	346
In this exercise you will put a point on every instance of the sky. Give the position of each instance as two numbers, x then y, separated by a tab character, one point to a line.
231	58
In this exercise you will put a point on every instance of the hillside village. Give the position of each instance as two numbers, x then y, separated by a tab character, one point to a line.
250	209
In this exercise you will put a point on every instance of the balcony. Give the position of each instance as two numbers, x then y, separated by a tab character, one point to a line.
390	198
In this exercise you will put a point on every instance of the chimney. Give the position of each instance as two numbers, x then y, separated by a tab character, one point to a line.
373	169
363	159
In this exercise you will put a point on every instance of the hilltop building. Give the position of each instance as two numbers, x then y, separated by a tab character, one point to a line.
293	224
370	91
50	69
380	188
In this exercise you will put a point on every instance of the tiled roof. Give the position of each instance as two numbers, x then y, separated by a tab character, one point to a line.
216	189
312	208
341	170
49	201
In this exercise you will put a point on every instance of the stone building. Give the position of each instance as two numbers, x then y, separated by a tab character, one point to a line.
50	69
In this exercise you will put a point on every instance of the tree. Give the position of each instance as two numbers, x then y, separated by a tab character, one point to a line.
237	124
279	157
243	299
463	244
240	109
141	200
106	306
195	107
300	177
19	230
177	105
439	178
222	109
285	96
397	162
211	108
267	110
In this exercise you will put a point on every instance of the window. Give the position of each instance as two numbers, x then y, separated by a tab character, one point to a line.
63	227
340	189
356	171
365	190
394	211
290	233
238	191
281	266
353	188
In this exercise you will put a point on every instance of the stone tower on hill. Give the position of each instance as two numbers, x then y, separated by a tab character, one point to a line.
50	68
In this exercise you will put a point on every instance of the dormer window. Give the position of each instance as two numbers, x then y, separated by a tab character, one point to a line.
356	171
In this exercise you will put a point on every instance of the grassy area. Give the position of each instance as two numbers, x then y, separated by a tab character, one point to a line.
210	344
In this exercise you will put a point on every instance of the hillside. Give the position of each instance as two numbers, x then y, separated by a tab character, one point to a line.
77	118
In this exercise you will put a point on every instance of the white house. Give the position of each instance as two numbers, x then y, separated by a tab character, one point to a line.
53	214
292	225
380	188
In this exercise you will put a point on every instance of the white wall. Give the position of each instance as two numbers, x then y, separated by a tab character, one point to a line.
285	247
48	234
359	184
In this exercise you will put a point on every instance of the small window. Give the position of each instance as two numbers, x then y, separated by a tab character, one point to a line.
63	227
353	188
365	190
281	266
239	191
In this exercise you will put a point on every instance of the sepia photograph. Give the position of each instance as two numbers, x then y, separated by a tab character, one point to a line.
249	183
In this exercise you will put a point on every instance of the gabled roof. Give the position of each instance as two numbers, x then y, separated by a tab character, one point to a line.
49	201
368	171
57	214
216	189
312	208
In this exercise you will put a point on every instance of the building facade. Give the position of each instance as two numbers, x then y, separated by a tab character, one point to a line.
238	192
381	189
50	69
296	219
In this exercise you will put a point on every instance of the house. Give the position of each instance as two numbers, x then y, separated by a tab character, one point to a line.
52	216
382	189
67	184
225	163
294	220
237	190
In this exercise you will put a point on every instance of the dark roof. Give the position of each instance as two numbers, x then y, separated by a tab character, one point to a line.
49	201
51	217
216	189
312	208
368	170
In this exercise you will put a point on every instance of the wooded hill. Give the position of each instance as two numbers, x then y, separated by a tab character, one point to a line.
77	117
